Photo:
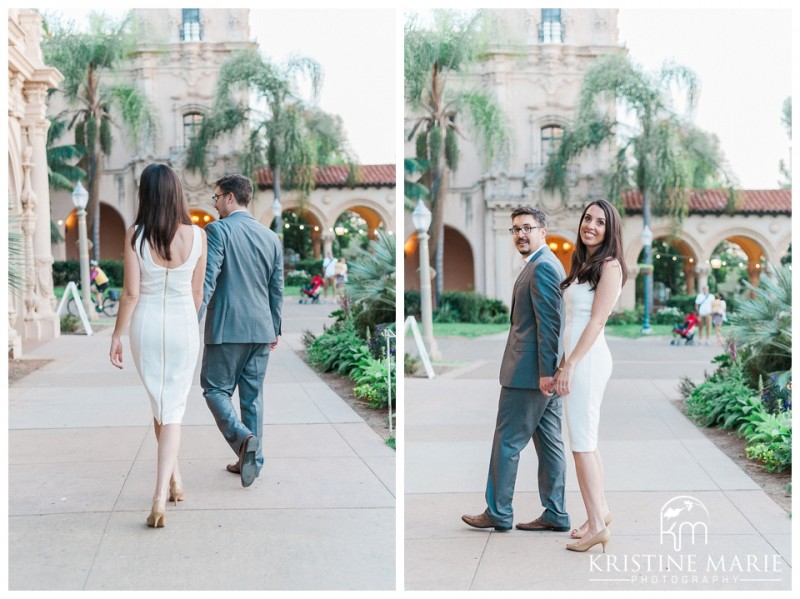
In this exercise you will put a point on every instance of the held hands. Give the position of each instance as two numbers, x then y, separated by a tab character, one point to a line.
562	382
116	352
546	384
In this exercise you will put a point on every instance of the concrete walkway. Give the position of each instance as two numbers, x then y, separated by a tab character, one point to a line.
82	472
652	454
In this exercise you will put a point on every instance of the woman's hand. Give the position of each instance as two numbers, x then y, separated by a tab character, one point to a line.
116	352
563	381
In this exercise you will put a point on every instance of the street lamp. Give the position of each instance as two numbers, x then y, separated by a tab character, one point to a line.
647	269
80	197
421	217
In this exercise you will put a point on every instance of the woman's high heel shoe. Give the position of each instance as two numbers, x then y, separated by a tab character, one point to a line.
158	516
604	536
577	533
176	493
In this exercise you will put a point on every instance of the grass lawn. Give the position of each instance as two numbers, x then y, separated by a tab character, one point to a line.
634	331
466	329
472	330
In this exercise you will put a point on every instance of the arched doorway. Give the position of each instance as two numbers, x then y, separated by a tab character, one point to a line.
302	234
354	228
112	234
562	248
200	217
459	262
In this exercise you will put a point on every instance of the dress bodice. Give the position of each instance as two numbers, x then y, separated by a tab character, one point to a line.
157	280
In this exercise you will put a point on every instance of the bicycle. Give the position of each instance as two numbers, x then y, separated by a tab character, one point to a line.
110	305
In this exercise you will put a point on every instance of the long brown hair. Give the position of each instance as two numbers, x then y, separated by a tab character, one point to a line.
587	267
162	209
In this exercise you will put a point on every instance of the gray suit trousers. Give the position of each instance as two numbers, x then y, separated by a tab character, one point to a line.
522	415
227	366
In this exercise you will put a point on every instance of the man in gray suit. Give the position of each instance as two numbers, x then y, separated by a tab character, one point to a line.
528	409
243	291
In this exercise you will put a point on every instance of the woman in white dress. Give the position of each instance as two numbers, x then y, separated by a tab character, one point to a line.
595	280
165	263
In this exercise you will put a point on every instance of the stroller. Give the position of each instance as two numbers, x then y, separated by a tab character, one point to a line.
309	293
685	330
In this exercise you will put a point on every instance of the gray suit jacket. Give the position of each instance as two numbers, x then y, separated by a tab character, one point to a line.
532	349
243	288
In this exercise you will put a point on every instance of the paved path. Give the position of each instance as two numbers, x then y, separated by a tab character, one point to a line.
82	471
652	454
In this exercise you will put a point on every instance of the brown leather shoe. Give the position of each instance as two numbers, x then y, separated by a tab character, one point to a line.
483	521
233	468
541	525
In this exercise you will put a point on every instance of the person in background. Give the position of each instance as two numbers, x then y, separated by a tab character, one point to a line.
341	277
99	283
718	309
329	274
702	305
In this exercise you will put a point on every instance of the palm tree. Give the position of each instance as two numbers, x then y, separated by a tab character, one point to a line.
287	135
371	282
61	169
435	92
786	119
660	156
97	102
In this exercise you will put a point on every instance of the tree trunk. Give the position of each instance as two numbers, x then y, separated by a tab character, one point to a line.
93	212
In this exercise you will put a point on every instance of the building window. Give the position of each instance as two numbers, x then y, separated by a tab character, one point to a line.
191	127
550	29
191	30
551	139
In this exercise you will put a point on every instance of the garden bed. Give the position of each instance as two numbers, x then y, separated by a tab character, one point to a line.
732	445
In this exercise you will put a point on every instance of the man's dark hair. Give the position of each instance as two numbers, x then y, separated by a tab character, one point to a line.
537	215
239	185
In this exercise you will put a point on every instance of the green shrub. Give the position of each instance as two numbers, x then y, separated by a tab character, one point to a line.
412	304
468	306
70	323
722	399
668	315
336	348
296	278
310	265
625	317
65	271
684	303
777	457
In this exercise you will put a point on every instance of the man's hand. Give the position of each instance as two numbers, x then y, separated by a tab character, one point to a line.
546	384
275	344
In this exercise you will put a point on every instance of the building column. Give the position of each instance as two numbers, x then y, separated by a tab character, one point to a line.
36	126
702	271
627	298
502	258
327	242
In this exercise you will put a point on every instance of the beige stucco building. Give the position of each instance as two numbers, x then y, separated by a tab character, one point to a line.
31	313
537	81
177	66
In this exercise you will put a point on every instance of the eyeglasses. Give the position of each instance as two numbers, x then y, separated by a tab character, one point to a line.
523	229
217	196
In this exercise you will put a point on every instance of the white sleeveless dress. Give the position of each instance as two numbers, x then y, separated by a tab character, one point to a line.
591	373
164	332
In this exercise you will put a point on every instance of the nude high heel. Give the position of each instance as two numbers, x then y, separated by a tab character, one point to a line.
577	534
176	493
604	536
158	516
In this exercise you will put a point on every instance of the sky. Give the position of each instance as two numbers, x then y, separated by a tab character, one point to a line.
356	48
743	60
741	55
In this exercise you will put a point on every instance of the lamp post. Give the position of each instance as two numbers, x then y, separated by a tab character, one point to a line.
421	217
647	243
277	210
80	198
